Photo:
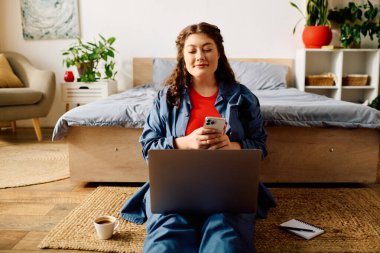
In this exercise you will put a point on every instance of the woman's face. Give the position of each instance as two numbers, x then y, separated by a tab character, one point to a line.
201	55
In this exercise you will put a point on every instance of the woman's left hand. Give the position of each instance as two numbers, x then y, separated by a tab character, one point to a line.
223	142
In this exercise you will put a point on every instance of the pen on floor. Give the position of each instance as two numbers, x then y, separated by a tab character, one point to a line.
297	229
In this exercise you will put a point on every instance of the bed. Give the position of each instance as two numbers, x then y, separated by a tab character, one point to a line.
306	143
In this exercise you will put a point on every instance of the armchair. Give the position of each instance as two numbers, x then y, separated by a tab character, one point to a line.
31	101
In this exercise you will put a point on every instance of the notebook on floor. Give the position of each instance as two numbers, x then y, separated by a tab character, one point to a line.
302	228
204	181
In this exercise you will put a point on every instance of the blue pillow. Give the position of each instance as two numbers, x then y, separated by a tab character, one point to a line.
162	69
260	75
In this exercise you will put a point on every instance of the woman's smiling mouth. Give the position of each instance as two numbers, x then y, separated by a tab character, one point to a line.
201	65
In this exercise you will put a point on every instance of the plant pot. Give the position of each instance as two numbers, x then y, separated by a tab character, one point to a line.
354	44
84	67
316	36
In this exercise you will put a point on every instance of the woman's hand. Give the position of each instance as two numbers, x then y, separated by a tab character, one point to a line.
223	142
200	138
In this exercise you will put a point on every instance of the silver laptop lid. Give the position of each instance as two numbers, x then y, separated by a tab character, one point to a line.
204	181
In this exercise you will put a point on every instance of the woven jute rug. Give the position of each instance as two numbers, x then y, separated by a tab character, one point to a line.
77	231
349	216
28	164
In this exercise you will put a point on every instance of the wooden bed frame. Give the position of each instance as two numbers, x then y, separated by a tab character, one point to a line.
296	154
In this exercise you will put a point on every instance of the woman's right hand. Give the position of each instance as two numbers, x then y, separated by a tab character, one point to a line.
198	139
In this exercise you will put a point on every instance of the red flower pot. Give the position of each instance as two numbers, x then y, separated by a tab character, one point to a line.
316	36
69	76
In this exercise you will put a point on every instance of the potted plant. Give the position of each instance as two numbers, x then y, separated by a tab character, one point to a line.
89	56
356	20
375	103
317	31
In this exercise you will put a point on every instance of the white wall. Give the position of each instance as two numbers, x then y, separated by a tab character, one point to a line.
148	28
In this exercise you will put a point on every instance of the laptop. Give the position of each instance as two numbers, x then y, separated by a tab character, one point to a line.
204	181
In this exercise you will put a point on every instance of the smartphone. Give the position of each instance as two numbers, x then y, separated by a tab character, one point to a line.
215	123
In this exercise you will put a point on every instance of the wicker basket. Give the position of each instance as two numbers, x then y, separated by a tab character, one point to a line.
355	80
320	80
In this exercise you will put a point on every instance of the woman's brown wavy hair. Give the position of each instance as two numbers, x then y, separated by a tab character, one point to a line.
180	79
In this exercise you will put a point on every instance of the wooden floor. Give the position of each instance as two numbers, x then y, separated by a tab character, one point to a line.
28	213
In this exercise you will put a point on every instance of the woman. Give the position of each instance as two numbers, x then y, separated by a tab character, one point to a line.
202	84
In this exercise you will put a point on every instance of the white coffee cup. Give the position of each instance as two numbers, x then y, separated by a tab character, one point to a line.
105	226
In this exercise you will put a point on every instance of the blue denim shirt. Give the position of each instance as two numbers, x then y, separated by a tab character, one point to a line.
235	102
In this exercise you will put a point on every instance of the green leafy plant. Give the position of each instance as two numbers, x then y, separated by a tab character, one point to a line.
87	57
316	13
356	20
375	103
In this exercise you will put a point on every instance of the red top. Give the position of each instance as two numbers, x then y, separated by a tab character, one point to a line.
201	107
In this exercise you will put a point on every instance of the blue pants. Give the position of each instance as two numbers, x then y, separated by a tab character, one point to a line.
220	232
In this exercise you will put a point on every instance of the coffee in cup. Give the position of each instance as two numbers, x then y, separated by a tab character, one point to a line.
105	226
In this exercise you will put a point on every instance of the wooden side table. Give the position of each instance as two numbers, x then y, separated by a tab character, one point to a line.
81	93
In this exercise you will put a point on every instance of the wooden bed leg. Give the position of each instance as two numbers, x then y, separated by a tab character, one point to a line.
13	124
37	128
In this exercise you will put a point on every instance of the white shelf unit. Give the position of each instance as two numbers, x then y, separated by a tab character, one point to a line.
341	62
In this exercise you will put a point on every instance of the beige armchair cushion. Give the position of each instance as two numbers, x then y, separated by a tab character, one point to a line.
7	78
16	96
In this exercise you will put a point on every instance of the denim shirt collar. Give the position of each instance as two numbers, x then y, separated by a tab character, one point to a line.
226	90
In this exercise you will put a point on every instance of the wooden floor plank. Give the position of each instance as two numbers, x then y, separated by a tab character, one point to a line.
28	222
25	208
10	238
65	185
30	241
41	197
